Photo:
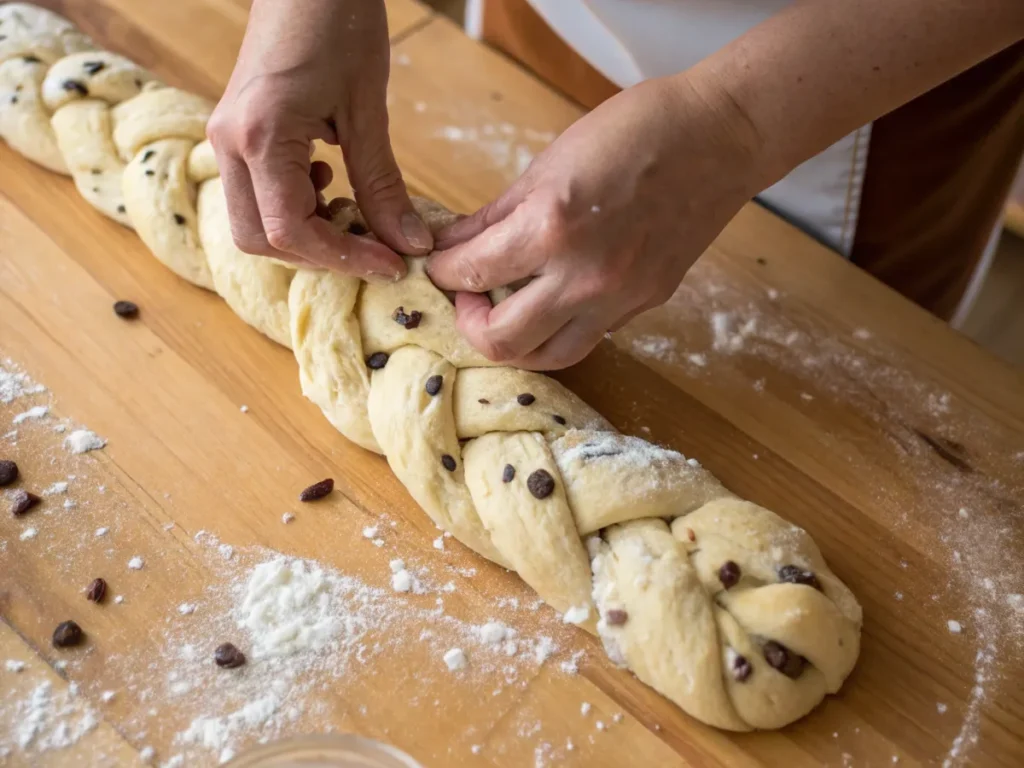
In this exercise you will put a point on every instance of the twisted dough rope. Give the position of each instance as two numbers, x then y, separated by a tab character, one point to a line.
715	602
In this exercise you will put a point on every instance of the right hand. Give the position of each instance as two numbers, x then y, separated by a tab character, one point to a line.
317	70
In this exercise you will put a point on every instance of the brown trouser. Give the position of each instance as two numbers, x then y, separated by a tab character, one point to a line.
938	173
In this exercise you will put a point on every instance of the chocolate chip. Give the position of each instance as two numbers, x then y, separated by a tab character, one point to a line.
355	228
227	656
96	190
22	502
96	171
484	401
120	209
14	99
148	154
407	321
761	260
616	617
448	462
8	472
541	484
75	85
30	59
434	384
96	591
690	534
508	474
741	668
150	172
781	658
126	309
138	83
322	211
794	574
317	490
729	574
377	360
179	219
558	419
67	634
92	67
525	399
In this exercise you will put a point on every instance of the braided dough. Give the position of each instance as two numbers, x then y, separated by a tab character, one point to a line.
715	602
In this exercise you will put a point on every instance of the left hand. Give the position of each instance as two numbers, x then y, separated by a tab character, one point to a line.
604	223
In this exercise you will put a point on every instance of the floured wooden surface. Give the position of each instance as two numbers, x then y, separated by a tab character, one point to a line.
801	383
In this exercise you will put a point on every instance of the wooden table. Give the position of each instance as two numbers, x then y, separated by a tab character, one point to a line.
828	398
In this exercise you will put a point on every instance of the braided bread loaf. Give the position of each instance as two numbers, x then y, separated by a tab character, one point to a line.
715	602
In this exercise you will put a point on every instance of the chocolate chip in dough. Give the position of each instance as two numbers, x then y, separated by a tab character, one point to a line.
741	668
95	171
75	85
96	591
526	399
31	59
434	384
729	574
8	472
448	462
317	490
129	310
120	209
541	484
150	172
690	534
408	320
179	219
92	67
377	360
67	634
484	401
22	502
616	617
508	474
784	660
794	574
227	656
558	419
147	155
14	99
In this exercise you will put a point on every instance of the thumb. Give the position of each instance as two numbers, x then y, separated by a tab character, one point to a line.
380	191
467	227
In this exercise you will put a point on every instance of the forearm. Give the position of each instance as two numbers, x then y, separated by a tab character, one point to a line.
821	68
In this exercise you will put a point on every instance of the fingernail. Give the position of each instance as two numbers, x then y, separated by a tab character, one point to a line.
416	232
383	277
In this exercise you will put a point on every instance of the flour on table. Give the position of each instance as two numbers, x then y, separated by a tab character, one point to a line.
34	413
83	441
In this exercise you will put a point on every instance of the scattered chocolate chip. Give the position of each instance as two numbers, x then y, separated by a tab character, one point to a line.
434	384
227	656
179	219
448	462
794	574
355	228
150	172
67	634
508	474
120	209
690	534
558	419
30	59
525	399
616	617
96	591
92	67
729	574
781	658
541	484
377	360
8	472
22	502
126	309
75	85
407	321
147	155
317	490
484	401
741	668
761	260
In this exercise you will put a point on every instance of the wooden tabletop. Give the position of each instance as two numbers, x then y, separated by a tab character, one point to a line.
799	381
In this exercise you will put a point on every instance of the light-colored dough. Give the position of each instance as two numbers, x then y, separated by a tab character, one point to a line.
717	603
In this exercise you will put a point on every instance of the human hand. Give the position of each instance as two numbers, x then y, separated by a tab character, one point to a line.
318	70
604	223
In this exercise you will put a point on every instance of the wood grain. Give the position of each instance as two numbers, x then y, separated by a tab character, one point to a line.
873	442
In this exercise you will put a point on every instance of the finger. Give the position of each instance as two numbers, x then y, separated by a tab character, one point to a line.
288	204
380	189
499	255
518	325
568	346
467	227
243	212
